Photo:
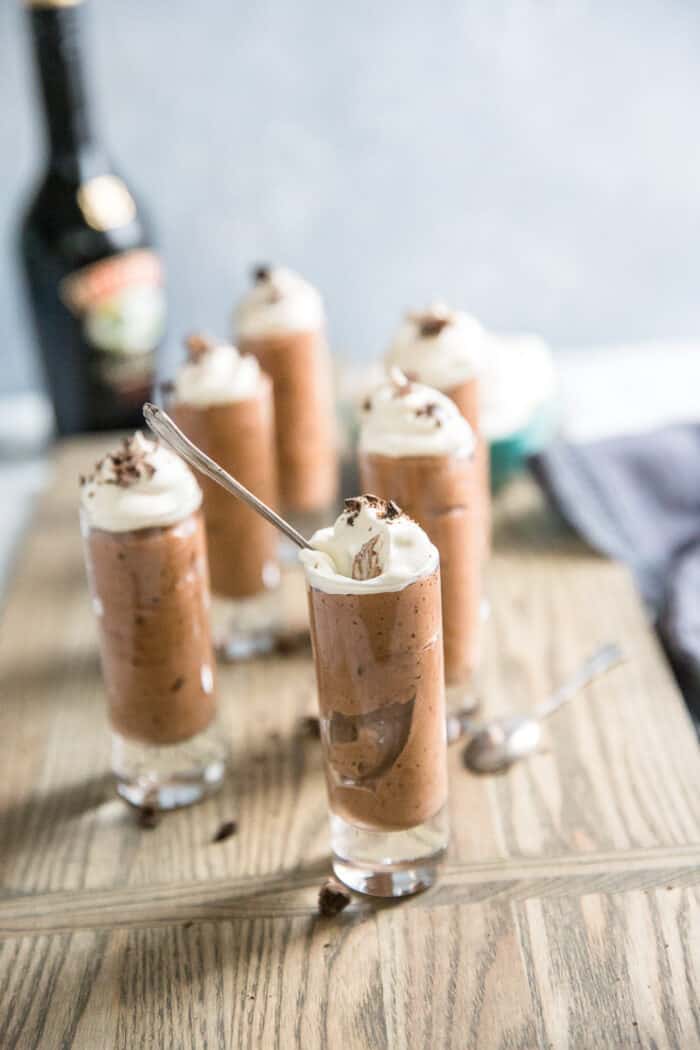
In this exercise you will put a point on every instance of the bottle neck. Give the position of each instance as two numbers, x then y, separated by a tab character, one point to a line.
56	31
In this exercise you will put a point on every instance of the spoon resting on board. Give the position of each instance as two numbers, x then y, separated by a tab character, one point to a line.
497	744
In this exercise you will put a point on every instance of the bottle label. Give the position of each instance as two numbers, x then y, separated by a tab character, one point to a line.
120	302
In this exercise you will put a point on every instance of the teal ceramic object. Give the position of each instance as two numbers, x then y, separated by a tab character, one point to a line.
508	455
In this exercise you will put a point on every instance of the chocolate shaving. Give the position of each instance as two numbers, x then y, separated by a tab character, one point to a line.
265	274
126	466
261	273
432	321
433	411
225	831
366	564
383	508
332	898
367	404
197	344
167	387
310	726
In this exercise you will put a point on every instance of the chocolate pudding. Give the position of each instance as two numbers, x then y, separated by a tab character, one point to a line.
466	397
445	349
374	605
439	492
147	566
416	449
150	590
379	670
230	417
281	322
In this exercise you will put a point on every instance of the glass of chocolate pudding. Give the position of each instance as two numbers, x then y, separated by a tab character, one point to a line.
418	450
373	583
223	402
281	321
146	558
445	349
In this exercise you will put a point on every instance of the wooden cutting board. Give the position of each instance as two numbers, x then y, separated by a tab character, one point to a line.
568	914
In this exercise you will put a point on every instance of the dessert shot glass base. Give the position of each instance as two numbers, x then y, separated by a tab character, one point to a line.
244	628
169	776
389	863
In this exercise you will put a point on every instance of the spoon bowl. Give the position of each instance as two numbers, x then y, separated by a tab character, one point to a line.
496	745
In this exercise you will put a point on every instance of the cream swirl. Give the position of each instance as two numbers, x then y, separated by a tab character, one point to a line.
279	301
373	534
402	418
439	347
140	485
217	375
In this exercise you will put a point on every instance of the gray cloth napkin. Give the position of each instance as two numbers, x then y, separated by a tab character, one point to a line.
637	499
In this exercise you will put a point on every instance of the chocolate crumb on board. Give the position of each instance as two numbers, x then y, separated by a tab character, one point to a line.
166	387
310	726
332	898
366	564
401	383
148	817
225	831
384	508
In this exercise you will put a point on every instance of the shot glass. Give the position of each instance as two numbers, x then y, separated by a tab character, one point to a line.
379	666
150	596
243	548
441	493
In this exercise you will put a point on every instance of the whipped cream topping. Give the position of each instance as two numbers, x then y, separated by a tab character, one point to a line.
402	418
141	485
216	374
439	347
279	301
372	547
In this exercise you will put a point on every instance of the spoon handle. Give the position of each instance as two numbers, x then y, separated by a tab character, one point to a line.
600	661
163	426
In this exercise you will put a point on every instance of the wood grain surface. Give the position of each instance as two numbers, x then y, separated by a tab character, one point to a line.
568	914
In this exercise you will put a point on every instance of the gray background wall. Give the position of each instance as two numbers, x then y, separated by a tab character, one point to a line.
535	161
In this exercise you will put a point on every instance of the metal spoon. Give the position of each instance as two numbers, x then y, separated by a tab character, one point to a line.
498	744
163	427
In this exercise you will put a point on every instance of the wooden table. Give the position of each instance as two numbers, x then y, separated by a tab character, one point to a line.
567	915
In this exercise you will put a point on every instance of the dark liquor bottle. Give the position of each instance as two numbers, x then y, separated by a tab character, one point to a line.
95	284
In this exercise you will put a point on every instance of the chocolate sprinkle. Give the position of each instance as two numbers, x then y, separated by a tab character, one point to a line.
384	508
226	830
310	726
261	273
401	383
432	321
124	467
332	898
